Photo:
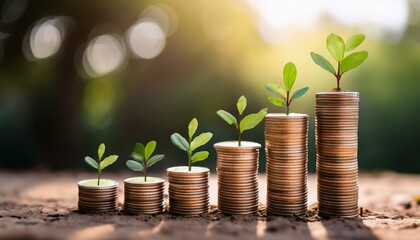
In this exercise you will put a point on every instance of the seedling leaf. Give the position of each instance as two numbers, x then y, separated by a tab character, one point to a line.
137	157
322	62
200	140
299	93
352	61
91	162
277	101
241	104
192	127
289	75
252	120
229	118
149	149
180	141
199	156
101	151
155	159
134	165
139	149
276	89
354	41
108	161
336	46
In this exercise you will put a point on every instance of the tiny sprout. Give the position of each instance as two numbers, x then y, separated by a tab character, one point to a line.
143	158
337	48
242	124
101	164
192	143
285	99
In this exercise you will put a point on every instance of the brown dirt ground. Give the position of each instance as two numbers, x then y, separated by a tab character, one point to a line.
44	206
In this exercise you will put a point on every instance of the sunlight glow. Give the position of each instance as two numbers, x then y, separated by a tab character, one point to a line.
146	39
164	15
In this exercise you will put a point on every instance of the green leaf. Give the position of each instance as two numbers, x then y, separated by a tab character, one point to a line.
101	151
289	75
135	166
139	149
241	104
137	157
229	118
149	149
299	93
354	41
252	120
322	62
200	140
199	156
155	159
277	101
336	46
91	162
108	161
276	89
180	141
352	61
192	127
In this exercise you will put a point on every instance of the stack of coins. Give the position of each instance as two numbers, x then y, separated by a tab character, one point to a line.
188	190
336	122
142	197
98	199
237	176
286	147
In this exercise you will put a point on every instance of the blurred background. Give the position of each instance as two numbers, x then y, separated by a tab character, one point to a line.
74	74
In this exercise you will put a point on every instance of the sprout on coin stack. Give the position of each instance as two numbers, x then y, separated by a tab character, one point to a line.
189	185
286	147
237	164
143	195
336	127
98	195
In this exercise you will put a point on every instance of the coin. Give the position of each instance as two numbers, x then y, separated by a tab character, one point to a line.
286	146
143	197
237	175
97	199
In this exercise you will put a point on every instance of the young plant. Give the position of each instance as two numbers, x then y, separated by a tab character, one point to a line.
192	144
338	48
143	158
285	98
242	123
101	164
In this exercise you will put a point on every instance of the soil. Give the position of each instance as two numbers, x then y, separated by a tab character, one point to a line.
44	206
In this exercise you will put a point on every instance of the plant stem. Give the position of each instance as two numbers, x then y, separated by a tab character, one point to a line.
145	169
189	160
287	103
99	176
239	130
338	77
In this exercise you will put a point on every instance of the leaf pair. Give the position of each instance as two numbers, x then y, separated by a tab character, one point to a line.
193	143
248	122
101	164
143	158
283	98
337	48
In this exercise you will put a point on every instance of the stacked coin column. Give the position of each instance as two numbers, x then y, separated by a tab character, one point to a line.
336	125
237	176
98	199
142	197
286	147
188	190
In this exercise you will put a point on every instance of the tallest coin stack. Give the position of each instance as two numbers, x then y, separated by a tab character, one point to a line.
336	124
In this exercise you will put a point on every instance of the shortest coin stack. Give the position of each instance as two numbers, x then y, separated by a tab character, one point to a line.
143	197
98	199
188	190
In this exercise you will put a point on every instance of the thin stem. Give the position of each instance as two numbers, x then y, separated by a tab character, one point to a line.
99	171
338	77
189	160
239	130
145	169
287	103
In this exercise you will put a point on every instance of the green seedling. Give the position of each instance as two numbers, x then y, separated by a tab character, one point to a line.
192	143
284	98
143	158
101	164
242	123
338	48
